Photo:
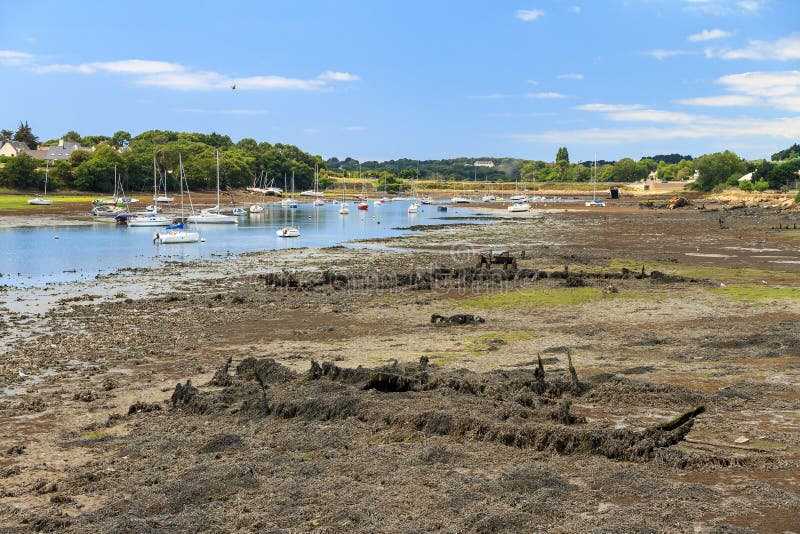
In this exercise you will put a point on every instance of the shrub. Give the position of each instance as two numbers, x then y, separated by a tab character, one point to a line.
761	185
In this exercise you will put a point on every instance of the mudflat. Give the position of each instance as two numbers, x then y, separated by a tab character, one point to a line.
636	368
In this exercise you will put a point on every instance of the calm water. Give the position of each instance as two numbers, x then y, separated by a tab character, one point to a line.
34	257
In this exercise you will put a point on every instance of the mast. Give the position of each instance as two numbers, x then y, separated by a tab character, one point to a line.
180	178
155	187
46	168
217	181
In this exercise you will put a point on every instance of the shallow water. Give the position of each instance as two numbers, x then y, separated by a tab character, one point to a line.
40	255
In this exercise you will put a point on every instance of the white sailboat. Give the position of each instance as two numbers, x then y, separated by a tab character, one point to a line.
176	234
152	218
595	202
343	209
318	201
42	200
289	202
414	206
212	215
290	230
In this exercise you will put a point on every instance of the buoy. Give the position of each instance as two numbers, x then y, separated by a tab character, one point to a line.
56	237
202	239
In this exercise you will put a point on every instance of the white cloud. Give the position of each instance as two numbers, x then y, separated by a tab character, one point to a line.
570	76
786	49
11	58
652	115
766	84
549	94
609	107
224	111
333	76
354	128
781	128
533	82
311	131
723	7
529	15
749	5
575	9
664	54
721	101
708	35
175	76
491	96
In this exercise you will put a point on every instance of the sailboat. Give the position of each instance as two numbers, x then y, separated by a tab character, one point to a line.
291	230
42	200
289	202
462	200
152	218
318	201
414	206
488	197
176	233
212	215
259	208
518	202
595	203
343	209
364	204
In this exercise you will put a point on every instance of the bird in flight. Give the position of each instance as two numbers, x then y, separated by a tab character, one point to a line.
233	87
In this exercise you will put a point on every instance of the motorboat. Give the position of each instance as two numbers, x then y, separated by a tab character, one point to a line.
343	209
489	198
256	208
427	200
461	200
413	208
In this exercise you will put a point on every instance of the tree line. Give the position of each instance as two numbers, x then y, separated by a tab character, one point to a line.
243	161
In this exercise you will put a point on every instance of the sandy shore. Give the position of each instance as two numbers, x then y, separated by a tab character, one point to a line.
444	427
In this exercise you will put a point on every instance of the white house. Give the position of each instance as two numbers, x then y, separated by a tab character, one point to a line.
14	148
484	163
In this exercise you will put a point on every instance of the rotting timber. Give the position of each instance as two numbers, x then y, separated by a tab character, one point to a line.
524	409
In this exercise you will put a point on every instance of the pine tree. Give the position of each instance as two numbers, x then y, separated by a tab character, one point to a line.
25	135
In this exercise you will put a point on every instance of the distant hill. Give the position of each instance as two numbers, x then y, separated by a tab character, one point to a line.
668	158
442	169
790	153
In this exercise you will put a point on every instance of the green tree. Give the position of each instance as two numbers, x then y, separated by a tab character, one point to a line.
627	170
61	174
562	160
21	172
96	174
78	157
25	135
72	136
715	169
6	135
120	139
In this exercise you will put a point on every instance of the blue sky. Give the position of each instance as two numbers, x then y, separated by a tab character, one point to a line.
418	79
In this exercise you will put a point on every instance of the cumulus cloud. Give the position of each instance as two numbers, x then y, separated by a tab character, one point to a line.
708	35
723	7
570	76
529	15
354	128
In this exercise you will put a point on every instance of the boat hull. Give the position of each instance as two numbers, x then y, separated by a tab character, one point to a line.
212	219
176	237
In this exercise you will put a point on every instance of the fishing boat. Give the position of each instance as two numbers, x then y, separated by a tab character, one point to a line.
42	200
212	215
595	202
177	234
